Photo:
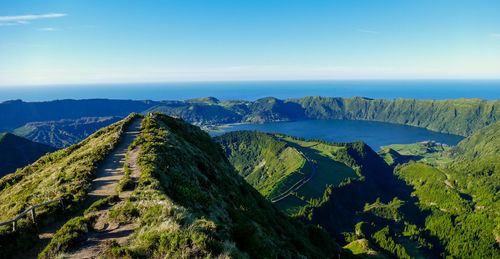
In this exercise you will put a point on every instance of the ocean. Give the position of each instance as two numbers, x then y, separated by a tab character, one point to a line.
252	90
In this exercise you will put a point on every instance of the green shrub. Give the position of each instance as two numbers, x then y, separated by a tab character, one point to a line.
68	236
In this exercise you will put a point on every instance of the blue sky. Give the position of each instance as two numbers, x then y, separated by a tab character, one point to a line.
90	41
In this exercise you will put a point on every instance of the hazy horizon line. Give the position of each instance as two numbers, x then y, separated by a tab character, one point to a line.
242	81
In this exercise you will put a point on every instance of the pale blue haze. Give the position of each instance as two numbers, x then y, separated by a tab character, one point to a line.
385	89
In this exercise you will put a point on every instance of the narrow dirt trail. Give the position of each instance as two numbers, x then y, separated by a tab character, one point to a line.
104	232
107	177
111	170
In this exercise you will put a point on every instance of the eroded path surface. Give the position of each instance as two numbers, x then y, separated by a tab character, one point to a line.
111	170
106	180
104	232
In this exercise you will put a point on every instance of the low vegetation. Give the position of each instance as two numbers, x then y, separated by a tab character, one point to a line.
191	202
460	117
438	201
428	152
275	163
433	209
65	174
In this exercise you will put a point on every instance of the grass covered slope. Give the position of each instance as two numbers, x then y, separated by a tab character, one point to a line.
484	144
461	116
64	133
266	162
463	196
275	163
190	202
17	152
428	152
65	174
446	209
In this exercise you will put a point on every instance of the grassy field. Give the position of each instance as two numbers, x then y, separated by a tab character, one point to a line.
427	152
360	247
328	172
275	163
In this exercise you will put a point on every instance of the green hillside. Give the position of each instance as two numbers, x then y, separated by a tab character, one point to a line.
187	182
444	205
17	152
484	144
449	209
269	164
188	201
61	123
65	174
428	152
461	116
276	163
64	133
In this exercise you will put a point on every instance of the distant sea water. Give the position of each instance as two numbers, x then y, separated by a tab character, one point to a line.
252	90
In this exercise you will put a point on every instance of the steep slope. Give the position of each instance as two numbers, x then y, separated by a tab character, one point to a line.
66	174
463	196
17	152
185	201
265	161
198	112
431	211
461	116
469	225
429	152
288	171
190	202
272	109
484	144
373	207
64	133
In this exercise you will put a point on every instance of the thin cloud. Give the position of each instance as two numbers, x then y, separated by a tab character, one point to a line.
13	23
48	29
9	24
368	31
30	17
24	19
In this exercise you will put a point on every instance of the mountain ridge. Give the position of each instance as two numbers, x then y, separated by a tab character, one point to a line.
455	116
188	201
